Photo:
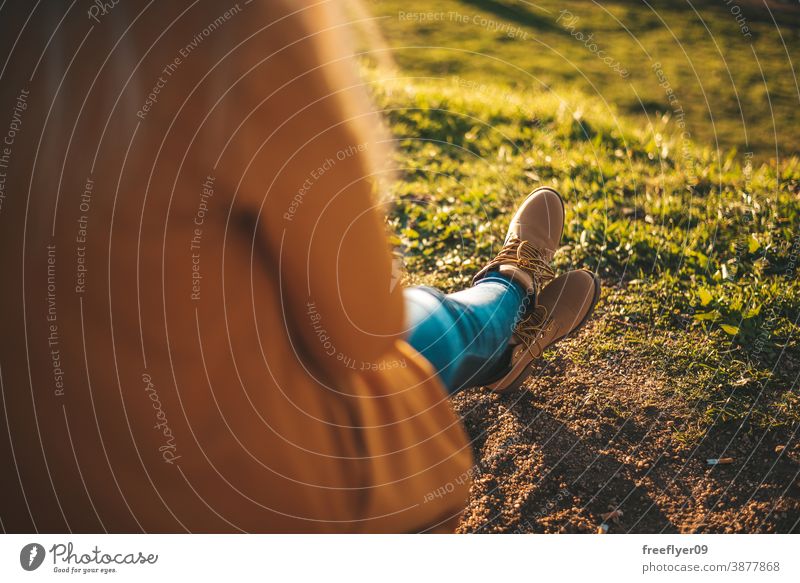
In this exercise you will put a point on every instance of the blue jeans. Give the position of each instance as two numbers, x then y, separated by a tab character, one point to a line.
465	335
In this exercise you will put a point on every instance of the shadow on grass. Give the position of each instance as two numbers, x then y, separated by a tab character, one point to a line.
515	13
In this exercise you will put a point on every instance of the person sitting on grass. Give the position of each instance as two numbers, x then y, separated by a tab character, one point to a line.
236	358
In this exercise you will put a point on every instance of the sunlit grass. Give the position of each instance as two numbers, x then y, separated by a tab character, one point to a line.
697	252
736	88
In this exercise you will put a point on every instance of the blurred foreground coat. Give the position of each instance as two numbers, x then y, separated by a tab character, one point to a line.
201	330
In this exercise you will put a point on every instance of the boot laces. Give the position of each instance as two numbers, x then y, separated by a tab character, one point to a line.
528	258
532	328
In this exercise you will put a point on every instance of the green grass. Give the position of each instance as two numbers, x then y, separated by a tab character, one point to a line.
696	235
736	91
697	252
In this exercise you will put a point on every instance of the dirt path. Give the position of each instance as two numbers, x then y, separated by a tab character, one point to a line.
585	440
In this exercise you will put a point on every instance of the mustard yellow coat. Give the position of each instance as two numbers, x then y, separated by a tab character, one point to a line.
201	330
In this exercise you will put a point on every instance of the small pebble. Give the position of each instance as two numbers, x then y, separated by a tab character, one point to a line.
720	461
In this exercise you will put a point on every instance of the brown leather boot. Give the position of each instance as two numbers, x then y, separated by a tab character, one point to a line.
533	236
563	306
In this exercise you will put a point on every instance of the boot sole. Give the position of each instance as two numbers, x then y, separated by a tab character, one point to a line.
523	365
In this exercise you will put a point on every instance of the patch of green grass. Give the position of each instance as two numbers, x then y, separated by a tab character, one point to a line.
697	252
736	87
